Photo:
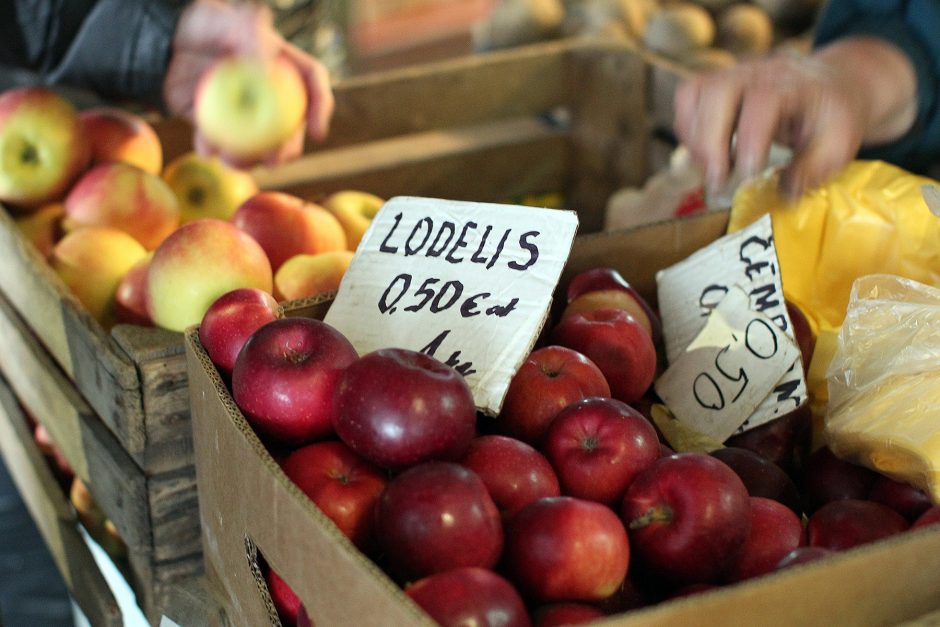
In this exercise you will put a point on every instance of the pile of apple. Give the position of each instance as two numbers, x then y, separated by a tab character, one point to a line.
145	244
568	506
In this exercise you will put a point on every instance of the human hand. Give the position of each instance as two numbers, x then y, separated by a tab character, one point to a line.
798	102
823	107
211	29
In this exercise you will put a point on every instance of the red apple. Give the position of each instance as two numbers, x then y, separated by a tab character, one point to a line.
617	343
287	225
130	299
437	516
341	483
514	473
598	446
930	517
688	516
784	441
803	555
567	549
550	379
469	596
286	377
692	589
608	281
907	500
286	601
829	478
775	531
803	332
761	476
558	614
398	407
119	135
229	322
846	523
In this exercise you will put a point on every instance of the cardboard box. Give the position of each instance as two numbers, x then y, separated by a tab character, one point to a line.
250	507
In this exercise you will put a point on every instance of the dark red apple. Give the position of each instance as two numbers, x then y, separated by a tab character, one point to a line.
617	343
436	516
803	555
846	523
399	407
775	531
469	596
930	517
230	321
603	283
761	476
829	478
341	483
287	376
550	379
286	602
515	474
130	298
566	549
907	500
803	331
688	516
784	440
598	446
559	614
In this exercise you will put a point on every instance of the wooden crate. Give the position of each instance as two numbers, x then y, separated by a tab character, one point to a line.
156	514
54	516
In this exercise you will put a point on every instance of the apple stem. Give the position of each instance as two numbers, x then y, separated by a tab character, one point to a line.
652	515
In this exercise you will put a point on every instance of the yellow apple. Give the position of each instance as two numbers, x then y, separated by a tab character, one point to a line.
354	209
206	187
196	265
118	135
286	225
92	261
42	147
43	227
308	275
124	197
247	106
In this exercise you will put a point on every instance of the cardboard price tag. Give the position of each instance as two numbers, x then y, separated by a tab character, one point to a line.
728	369
468	283
690	290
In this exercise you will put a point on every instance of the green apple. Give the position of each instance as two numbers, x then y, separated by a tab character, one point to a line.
42	147
247	107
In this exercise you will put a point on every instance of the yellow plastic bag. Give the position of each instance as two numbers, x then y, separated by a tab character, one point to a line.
871	218
884	381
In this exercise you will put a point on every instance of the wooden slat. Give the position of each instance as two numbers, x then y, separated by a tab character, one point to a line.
54	517
95	455
89	357
504	157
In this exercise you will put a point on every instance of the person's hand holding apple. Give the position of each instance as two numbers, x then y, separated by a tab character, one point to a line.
255	93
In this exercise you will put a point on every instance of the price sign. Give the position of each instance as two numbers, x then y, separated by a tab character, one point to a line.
690	290
468	283
728	369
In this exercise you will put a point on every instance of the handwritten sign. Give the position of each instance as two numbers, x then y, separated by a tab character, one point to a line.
690	290
468	283
728	369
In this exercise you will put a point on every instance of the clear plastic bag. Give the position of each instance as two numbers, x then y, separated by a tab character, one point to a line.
884	381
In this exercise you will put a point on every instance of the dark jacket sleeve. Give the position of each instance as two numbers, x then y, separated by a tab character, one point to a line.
117	48
912	26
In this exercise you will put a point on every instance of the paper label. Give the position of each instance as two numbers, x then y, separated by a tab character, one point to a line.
728	369
468	283
690	290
